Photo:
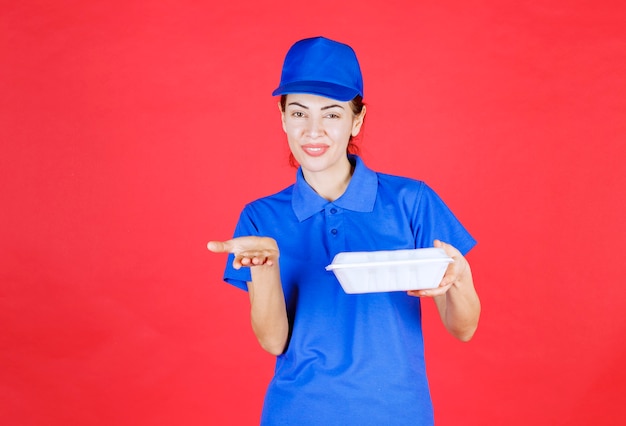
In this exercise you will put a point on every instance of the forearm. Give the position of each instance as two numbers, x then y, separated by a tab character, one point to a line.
459	307
268	312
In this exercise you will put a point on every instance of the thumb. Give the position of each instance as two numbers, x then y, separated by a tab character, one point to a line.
446	247
450	250
219	246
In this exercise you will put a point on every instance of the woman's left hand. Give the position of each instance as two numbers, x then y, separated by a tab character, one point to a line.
455	273
456	298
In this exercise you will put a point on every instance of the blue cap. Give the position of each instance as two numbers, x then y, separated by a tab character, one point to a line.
320	66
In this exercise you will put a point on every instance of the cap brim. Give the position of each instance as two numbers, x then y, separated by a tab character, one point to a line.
327	90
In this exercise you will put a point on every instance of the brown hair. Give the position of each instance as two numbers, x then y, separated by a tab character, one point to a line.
356	105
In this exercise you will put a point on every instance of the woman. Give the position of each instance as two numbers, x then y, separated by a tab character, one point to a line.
349	359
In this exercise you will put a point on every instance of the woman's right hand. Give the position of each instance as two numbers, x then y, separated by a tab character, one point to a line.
268	313
248	251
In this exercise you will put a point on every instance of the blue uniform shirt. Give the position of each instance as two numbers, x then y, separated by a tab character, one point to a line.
352	359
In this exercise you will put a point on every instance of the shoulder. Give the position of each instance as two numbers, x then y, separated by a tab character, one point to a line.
401	185
275	202
400	181
413	193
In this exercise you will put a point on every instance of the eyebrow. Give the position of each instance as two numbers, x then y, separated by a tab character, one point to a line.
323	108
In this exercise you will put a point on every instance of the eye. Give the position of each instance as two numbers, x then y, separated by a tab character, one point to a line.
297	114
333	115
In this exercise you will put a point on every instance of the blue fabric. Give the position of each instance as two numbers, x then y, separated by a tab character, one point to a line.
323	67
352	359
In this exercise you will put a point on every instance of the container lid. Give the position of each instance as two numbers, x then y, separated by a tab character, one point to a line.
385	263
386	258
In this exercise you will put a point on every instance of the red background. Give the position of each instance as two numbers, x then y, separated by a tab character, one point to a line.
133	132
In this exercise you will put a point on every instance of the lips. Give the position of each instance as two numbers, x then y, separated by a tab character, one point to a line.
315	149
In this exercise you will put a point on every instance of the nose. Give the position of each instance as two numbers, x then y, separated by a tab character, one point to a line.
315	128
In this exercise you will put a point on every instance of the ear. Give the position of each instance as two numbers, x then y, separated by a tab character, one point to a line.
358	122
282	116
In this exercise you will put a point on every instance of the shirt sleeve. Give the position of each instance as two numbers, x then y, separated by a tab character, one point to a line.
434	220
240	277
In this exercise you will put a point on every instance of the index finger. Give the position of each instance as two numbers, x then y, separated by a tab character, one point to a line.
219	246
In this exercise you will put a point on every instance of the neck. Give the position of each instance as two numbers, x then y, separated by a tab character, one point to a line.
330	184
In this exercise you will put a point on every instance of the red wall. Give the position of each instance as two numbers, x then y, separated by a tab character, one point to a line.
133	134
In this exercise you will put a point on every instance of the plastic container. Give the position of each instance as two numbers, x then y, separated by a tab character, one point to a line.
390	270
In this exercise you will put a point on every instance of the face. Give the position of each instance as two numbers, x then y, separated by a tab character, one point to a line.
318	131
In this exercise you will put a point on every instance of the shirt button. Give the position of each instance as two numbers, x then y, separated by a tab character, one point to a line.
333	210
333	231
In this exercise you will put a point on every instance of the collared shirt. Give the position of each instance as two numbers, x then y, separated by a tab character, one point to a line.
352	359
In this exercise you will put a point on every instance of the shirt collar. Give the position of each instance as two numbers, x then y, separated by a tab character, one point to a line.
359	196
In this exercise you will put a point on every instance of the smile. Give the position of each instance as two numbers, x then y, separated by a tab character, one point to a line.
315	150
